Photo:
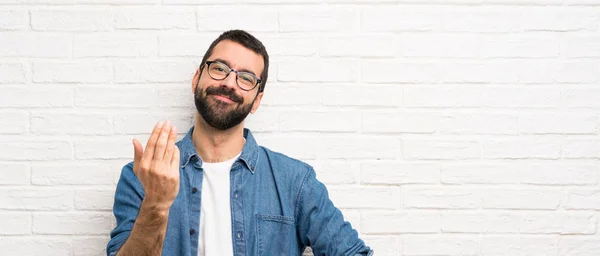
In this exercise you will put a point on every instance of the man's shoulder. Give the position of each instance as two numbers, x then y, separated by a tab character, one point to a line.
284	162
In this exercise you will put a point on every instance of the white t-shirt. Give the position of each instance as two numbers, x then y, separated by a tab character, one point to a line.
215	218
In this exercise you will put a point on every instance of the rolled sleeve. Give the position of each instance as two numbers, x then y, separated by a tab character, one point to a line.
128	200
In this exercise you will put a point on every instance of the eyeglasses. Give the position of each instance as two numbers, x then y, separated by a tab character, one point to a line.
219	71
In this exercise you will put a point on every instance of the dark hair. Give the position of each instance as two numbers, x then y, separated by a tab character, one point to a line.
249	41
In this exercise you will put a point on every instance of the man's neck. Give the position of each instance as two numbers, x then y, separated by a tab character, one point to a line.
214	145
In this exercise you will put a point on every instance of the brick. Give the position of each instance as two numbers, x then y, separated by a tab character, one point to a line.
290	45
35	45
562	174
264	120
176	96
104	148
581	97
35	149
300	147
482	20
329	121
479	123
386	19
359	46
532	199
143	123
477	46
196	2
394	173
120	97
485	222
134	71
384	95
36	199
155	18
94	199
559	123
581	148
116	2
365	197
558	223
249	18
521	148
186	45
444	96
70	123
76	20
500	71
386	222
578	246
14	174
391	71
87	246
73	72
114	45
318	20
15	73
36	245
322	70
482	173
36	97
583	199
292	95
14	19
440	149
518	245
72	223
519	97
15	224
367	147
582	2
73	174
384	245
559	19
580	46
441	198
399	122
444	245
14	122
337	172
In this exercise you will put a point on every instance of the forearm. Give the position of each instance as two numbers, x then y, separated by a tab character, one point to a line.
148	233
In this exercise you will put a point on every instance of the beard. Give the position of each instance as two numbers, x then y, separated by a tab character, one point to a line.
216	113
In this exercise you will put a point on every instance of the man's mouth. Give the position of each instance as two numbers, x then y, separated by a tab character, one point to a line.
223	98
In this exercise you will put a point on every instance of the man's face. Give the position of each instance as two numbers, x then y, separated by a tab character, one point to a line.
222	103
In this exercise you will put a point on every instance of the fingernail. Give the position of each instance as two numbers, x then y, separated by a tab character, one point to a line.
168	123
160	124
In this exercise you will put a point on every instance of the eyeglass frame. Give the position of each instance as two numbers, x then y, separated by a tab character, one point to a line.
209	62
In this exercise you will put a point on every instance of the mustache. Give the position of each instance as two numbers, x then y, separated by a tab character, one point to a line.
222	91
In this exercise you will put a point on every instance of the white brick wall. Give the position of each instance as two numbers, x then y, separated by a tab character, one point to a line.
441	127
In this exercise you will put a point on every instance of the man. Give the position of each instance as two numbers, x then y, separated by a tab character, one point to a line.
216	192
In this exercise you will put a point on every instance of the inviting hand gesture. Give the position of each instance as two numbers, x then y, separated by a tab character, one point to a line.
157	167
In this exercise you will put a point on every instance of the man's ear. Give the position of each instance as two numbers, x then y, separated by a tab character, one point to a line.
256	102
195	80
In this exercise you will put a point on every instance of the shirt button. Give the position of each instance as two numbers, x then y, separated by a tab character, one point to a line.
235	195
194	190
192	231
239	235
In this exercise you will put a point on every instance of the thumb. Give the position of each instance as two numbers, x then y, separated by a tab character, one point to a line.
138	151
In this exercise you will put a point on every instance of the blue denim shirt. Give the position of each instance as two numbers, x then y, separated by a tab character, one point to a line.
278	207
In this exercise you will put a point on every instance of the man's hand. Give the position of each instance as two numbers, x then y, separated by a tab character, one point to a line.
157	167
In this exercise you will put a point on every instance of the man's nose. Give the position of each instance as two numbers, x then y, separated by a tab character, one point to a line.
230	81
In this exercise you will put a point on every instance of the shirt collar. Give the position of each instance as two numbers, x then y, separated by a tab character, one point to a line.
249	154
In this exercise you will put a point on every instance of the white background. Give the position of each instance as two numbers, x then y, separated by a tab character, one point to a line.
441	127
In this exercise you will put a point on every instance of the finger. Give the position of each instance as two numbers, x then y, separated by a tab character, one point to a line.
138	151
170	145
149	153
161	143
175	158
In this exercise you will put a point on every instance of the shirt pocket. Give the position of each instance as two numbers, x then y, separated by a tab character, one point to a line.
276	234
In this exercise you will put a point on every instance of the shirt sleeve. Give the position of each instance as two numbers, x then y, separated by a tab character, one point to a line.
321	225
128	200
